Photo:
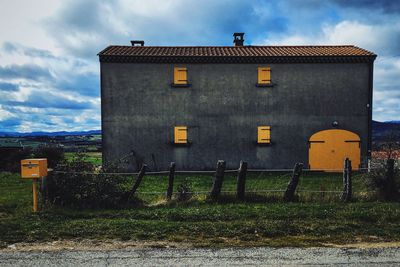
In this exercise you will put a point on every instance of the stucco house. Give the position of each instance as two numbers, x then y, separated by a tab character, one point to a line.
271	106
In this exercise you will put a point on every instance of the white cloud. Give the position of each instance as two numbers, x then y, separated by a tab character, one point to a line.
5	114
380	39
60	39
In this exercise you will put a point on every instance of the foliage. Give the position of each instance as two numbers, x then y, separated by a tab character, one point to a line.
10	160
184	191
377	181
54	154
77	183
93	157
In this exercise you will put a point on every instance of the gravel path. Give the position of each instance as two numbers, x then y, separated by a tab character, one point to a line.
206	257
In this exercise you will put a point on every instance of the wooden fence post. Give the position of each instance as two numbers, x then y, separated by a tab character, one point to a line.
138	181
390	186
241	180
349	188
43	193
291	188
171	180
345	182
218	179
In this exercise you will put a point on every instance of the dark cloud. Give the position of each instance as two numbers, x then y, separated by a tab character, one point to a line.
83	28
27	51
10	124
27	71
87	84
387	6
48	100
4	86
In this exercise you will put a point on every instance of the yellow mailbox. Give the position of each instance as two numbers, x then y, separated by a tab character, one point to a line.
33	168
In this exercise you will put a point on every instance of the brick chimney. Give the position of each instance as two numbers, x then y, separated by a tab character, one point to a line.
238	38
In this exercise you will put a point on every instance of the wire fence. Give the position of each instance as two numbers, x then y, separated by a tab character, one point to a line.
261	182
208	172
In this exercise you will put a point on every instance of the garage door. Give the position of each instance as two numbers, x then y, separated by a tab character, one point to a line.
329	148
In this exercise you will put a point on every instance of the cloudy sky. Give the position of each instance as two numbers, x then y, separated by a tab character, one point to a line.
49	71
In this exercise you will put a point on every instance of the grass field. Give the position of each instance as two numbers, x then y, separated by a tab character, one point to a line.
92	157
315	219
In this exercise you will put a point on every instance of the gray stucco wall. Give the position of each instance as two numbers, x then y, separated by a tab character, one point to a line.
223	108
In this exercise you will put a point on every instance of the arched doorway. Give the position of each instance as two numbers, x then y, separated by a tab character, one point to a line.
329	148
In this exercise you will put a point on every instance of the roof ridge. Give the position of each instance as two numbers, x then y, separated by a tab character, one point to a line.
226	46
237	51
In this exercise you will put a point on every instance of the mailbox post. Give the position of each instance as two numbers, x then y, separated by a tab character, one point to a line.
34	169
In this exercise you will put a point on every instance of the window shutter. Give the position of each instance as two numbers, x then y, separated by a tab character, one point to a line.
264	75
180	135
180	75
264	135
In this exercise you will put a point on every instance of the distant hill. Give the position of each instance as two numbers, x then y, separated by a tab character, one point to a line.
379	130
382	130
62	133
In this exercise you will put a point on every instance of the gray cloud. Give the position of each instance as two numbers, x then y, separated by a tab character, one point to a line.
27	71
27	51
80	29
386	6
83	28
87	84
10	124
4	86
47	100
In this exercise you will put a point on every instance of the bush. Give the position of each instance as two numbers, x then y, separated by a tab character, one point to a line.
376	180
77	184
54	154
11	160
184	191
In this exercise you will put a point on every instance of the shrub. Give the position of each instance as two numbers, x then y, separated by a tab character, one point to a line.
184	191
11	160
77	184
54	154
376	180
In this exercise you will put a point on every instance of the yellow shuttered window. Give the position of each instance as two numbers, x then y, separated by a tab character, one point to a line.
264	135
180	75
264	75
180	135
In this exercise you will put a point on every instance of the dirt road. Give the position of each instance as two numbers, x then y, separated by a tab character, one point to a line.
205	257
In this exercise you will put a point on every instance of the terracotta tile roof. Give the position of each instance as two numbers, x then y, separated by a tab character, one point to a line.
218	53
242	51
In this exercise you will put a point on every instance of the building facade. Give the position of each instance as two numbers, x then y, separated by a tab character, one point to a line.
271	106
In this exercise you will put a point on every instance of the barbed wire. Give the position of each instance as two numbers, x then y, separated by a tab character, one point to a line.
207	172
253	192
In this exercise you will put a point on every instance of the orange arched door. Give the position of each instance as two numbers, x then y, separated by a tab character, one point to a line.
329	148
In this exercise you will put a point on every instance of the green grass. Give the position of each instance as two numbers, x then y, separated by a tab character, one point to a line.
258	185
92	157
258	222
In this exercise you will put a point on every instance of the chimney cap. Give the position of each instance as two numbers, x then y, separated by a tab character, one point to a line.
238	38
137	42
